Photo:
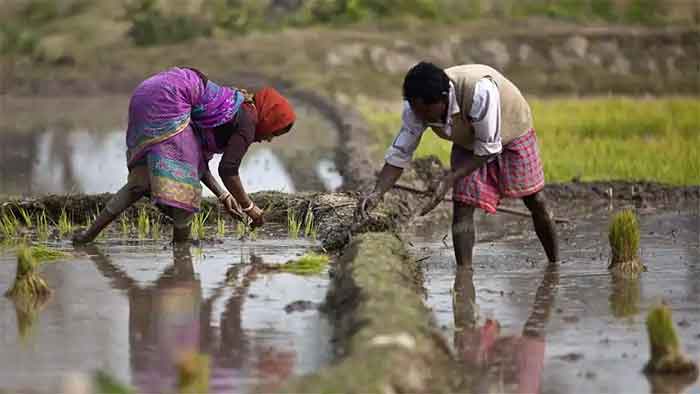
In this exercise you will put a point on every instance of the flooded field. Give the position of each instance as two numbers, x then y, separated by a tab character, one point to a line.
71	151
131	308
566	329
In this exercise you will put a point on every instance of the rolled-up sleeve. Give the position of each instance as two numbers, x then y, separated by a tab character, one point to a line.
400	153
485	116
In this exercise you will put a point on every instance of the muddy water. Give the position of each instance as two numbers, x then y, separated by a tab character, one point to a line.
571	328
132	310
60	146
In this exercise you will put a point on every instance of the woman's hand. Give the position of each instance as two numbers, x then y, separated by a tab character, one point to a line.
232	207
257	216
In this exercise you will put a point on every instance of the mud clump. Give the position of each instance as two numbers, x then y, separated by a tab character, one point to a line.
624	245
666	356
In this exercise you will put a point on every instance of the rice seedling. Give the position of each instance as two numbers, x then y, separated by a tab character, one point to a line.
105	383
308	264
28	283
45	253
193	373
143	223
197	228
666	356
624	244
26	216
42	226
155	228
220	226
125	225
309	228
65	225
293	224
9	225
241	229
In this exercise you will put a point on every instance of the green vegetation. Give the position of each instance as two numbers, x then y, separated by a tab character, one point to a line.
193	374
28	283
125	224
42	226
309	227
106	384
197	228
293	224
45	253
220	226
143	223
65	225
9	225
624	244
308	264
666	357
26	217
593	138
155	228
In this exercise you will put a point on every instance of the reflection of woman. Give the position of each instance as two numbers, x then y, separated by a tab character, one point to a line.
515	362
177	120
171	318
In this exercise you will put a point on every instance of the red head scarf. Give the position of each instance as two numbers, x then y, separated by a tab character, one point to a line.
274	112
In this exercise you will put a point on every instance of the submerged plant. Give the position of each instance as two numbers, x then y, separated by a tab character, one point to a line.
42	226
293	224
193	374
624	244
143	223
65	225
308	264
666	357
28	283
197	228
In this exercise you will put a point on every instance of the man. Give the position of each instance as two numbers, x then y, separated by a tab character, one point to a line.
494	151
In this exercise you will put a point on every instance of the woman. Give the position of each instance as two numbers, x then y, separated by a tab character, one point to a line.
177	120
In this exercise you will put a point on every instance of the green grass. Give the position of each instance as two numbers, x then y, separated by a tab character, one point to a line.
125	225
26	217
9	225
309	227
593	139
308	264
220	227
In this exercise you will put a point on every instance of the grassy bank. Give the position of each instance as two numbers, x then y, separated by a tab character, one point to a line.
593	138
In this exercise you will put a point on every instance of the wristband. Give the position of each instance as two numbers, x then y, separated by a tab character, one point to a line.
250	207
224	196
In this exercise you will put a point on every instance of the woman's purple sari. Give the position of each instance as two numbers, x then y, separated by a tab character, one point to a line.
162	111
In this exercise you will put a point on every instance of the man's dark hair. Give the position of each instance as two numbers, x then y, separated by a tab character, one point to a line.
427	82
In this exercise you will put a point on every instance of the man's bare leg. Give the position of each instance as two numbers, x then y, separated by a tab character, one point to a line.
544	224
463	233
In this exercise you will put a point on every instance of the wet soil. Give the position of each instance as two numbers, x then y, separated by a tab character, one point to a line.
567	329
131	308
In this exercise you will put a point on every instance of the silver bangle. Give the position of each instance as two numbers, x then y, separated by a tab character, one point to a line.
250	207
224	196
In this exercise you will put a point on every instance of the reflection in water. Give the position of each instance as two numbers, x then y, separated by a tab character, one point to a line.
625	295
497	364
171	318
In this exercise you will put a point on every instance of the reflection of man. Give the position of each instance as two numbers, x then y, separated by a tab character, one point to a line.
494	151
502	364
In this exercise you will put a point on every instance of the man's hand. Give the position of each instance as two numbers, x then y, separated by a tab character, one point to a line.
439	193
367	203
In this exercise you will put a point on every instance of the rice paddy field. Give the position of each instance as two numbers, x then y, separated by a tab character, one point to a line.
587	139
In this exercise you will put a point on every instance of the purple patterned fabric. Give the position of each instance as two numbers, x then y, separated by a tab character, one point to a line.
162	111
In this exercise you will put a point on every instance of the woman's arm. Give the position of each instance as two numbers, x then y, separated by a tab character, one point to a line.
211	183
